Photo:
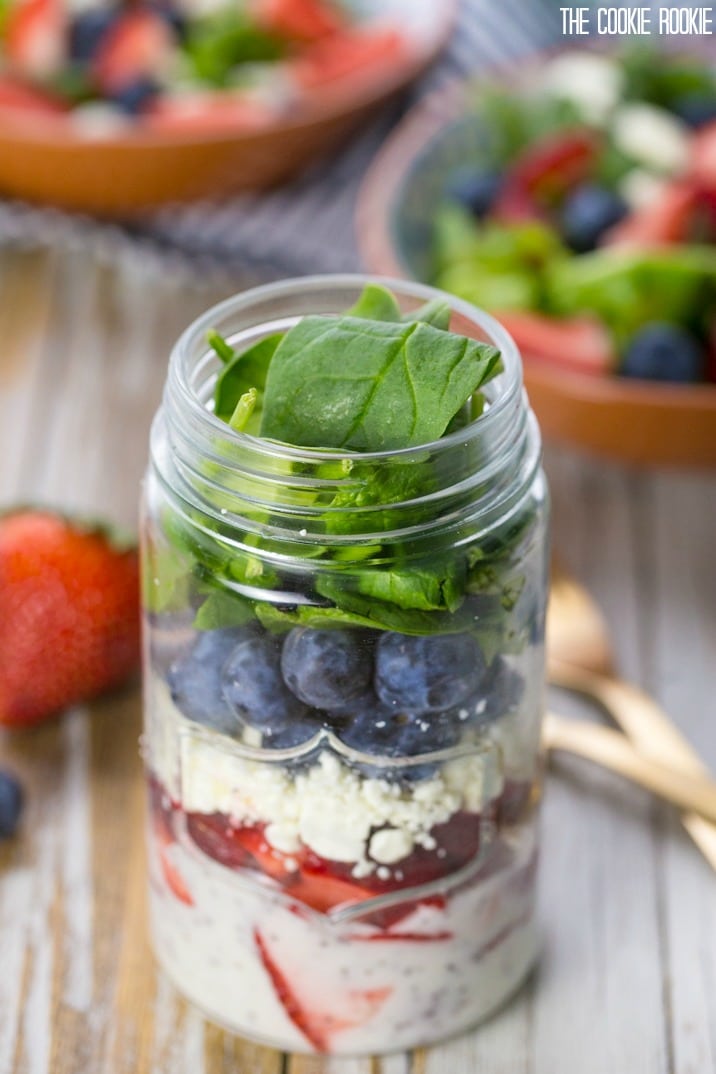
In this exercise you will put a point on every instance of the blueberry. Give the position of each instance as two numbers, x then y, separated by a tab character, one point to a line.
696	109
587	213
662	351
427	674
326	668
382	731
500	693
135	96
373	727
428	733
253	686
195	680
474	189
11	802
292	734
87	32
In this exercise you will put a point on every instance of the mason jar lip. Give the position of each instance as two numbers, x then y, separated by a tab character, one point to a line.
498	336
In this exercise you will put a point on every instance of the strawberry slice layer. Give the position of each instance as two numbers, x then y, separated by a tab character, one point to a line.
173	878
316	1026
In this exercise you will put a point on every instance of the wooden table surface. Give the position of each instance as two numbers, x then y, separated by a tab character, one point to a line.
626	983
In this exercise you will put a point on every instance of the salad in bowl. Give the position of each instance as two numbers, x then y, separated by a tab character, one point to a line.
116	106
579	207
180	65
591	224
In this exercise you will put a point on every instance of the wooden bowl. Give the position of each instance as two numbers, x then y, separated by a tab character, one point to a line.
48	161
632	421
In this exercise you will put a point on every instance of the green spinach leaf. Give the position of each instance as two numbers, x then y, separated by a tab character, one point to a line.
435	312
370	385
439	588
242	373
221	610
376	303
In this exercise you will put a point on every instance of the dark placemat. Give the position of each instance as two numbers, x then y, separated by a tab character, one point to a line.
306	226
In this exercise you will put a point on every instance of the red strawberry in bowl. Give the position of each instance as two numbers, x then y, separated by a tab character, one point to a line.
137	46
34	37
70	624
305	20
18	98
703	158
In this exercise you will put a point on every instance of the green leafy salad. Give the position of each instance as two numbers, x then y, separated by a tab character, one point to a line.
370	538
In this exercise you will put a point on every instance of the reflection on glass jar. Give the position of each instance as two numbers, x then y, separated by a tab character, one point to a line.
344	671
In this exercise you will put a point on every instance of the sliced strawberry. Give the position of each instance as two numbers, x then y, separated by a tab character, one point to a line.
206	113
666	220
303	1020
703	158
390	916
161	813
581	344
136	46
318	1028
19	97
34	37
351	52
545	171
402	937
240	848
515	800
323	891
305	20
174	880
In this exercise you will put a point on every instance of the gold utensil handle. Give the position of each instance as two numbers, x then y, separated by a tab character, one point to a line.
612	750
649	728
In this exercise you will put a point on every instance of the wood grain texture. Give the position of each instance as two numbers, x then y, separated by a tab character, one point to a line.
628	968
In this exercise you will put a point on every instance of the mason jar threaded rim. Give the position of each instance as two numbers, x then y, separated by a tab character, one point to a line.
195	433
180	392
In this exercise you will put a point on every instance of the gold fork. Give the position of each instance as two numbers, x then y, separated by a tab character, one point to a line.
579	657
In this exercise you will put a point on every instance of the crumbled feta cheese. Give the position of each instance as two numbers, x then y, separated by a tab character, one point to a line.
97	119
390	845
329	806
591	82
653	137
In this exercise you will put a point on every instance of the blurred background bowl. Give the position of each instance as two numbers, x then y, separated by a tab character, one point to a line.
46	160
632	421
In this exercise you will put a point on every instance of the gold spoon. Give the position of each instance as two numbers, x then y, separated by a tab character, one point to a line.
579	657
612	750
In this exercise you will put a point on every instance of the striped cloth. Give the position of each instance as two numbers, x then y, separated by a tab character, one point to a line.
307	226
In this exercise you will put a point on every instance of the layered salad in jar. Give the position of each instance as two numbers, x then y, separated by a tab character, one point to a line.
344	594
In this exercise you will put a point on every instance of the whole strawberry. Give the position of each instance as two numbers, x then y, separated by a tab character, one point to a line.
69	614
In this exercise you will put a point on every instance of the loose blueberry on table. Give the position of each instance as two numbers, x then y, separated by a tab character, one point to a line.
11	803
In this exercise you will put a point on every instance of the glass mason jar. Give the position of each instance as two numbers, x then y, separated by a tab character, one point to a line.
344	677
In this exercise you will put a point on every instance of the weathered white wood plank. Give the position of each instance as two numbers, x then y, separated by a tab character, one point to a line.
680	610
76	865
627	905
599	1001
